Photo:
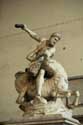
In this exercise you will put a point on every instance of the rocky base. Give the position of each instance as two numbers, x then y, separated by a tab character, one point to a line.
38	108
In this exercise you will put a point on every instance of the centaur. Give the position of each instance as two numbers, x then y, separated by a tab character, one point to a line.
45	78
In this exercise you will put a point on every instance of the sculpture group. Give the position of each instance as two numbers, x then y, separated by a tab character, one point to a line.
44	80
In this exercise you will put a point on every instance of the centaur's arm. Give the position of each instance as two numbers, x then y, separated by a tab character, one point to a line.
31	33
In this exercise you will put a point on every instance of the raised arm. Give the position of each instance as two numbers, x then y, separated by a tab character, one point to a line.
31	33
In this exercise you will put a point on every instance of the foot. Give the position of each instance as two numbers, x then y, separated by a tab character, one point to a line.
39	99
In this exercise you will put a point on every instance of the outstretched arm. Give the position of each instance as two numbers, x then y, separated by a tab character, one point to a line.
31	33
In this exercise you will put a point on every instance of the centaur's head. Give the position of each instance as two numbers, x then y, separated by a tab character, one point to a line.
54	38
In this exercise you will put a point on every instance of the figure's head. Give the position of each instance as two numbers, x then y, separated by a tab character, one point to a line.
54	38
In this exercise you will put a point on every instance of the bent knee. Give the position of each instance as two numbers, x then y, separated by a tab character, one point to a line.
77	93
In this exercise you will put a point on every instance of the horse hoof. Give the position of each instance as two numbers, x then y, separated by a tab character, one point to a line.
70	106
22	108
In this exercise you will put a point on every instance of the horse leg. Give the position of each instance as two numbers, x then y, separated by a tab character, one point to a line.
21	95
68	95
76	100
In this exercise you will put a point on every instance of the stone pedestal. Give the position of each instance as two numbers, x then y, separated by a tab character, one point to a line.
52	113
50	120
41	120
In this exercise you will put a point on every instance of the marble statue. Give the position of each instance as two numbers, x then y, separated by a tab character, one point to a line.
44	83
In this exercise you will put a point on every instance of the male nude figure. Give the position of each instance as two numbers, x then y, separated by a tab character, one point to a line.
43	55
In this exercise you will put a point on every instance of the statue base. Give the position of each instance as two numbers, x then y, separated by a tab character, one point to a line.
54	113
42	120
37	108
49	120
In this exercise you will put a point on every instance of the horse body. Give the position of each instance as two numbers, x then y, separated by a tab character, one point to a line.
50	86
57	86
22	81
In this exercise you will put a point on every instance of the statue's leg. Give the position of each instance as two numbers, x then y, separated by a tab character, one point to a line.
21	95
76	100
68	95
39	84
40	81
